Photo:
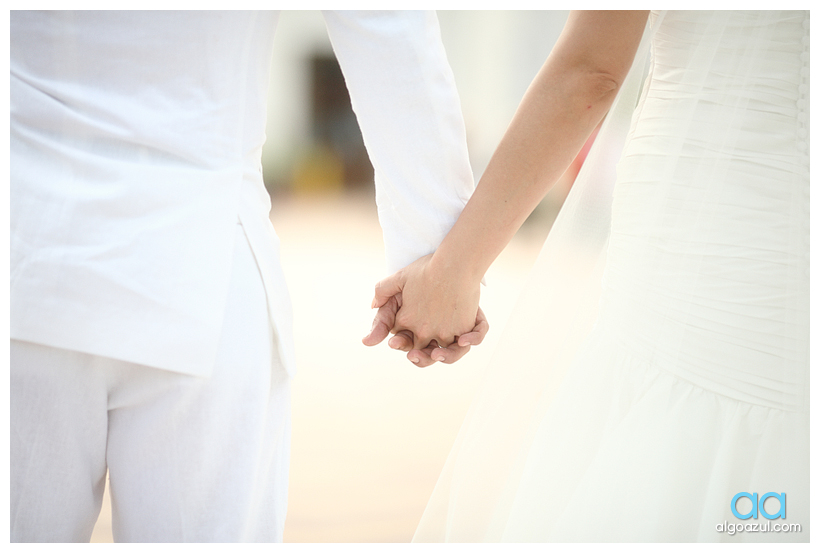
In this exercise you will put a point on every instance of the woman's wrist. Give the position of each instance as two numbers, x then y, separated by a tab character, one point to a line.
455	268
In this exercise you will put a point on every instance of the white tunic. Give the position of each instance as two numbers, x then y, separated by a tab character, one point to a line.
135	148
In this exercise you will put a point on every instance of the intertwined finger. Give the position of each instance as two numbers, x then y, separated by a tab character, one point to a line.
383	322
403	340
450	354
422	357
388	288
477	334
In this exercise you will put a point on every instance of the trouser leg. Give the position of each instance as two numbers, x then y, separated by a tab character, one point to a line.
190	459
57	443
206	459
198	460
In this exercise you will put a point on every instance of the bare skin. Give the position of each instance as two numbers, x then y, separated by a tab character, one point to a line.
435	299
385	320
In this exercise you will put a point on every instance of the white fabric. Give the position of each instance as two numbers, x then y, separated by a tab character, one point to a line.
190	458
670	373
135	145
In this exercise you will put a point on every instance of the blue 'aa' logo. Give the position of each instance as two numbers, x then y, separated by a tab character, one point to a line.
760	506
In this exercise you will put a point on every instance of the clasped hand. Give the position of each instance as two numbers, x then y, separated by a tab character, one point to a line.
432	312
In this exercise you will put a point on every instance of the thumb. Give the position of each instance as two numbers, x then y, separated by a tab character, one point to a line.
383	323
387	288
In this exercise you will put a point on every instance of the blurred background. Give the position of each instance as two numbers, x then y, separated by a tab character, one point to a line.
371	431
313	140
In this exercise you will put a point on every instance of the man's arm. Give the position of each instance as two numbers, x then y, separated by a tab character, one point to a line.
404	96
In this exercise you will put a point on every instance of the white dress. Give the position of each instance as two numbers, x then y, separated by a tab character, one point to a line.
676	375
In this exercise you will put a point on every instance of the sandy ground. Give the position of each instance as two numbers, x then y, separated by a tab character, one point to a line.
370	430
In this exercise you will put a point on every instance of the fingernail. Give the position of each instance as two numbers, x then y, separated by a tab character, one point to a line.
467	344
392	343
414	360
373	304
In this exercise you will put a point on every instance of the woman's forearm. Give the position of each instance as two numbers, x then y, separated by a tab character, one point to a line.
567	99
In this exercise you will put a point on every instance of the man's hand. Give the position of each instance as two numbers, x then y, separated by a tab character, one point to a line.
403	340
436	300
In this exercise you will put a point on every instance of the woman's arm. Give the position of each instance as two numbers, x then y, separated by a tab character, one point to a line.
567	99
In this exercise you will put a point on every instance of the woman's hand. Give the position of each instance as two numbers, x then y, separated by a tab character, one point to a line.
433	309
437	301
403	340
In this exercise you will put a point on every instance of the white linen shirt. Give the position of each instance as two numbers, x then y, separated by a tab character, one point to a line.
135	149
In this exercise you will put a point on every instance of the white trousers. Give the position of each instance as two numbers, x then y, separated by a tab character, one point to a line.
189	459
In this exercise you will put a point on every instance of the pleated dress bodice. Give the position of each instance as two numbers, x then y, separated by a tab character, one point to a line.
707	267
